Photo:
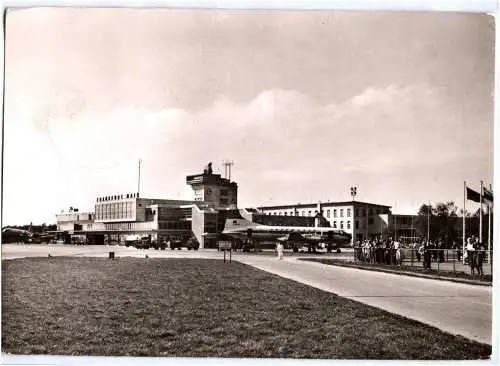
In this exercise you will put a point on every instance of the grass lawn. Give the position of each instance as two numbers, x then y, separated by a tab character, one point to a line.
413	269
199	307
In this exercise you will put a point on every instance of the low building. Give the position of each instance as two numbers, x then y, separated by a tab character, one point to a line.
121	215
404	226
360	219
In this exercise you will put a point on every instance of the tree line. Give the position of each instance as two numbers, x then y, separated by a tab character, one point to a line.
444	221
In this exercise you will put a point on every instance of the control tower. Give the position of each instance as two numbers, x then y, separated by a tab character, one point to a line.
212	188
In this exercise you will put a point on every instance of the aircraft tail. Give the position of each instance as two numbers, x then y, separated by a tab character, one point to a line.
235	224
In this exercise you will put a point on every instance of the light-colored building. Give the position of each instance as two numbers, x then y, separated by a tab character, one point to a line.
360	219
120	215
73	220
214	197
213	189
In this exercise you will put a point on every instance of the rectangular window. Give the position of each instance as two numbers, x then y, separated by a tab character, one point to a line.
348	212
342	224
348	224
335	224
308	213
335	213
341	212
286	213
356	224
327	213
370	221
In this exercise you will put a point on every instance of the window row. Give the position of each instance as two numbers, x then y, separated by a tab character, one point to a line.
113	211
175	225
130	226
341	225
335	213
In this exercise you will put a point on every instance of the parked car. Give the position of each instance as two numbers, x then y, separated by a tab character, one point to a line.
250	248
176	244
144	243
131	240
192	243
159	245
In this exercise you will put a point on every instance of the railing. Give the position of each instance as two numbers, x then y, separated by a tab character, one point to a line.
440	259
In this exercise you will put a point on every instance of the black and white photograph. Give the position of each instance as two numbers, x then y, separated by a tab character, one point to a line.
247	184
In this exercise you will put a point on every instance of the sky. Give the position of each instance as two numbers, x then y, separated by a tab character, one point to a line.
306	104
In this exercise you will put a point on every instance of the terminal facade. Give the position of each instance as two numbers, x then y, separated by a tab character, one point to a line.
360	219
117	216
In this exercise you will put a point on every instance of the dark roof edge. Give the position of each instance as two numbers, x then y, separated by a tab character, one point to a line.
323	204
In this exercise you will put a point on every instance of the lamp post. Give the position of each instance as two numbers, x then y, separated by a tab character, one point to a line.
354	192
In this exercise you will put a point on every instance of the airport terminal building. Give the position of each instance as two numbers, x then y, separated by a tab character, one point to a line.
214	197
360	219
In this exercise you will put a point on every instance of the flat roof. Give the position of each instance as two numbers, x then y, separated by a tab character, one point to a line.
323	204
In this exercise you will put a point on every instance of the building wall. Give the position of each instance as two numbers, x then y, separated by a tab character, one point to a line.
73	220
360	219
198	225
212	188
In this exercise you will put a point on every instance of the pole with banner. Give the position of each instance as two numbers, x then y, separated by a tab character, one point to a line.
488	197
428	222
489	233
481	215
463	224
472	195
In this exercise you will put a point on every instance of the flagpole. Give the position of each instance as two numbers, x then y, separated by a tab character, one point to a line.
489	228
463	224
428	221
489	233
481	215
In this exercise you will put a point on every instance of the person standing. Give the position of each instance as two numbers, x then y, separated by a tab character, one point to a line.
420	252
279	249
427	256
470	248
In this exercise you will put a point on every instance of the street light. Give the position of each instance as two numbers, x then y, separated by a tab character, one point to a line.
354	192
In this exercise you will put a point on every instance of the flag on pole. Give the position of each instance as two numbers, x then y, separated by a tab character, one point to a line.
487	195
472	195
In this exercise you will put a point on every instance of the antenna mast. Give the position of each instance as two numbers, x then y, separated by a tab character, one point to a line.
227	168
139	179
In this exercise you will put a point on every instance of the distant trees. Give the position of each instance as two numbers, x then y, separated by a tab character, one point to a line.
439	222
444	221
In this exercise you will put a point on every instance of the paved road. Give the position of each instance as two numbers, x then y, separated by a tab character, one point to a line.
453	307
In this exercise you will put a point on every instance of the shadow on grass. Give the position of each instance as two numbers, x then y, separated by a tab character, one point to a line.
199	307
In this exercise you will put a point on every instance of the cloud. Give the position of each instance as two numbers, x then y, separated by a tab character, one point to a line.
278	128
278	140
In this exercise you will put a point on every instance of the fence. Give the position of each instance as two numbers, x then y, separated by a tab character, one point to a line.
440	259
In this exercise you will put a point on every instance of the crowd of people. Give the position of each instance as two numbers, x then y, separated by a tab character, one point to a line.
378	251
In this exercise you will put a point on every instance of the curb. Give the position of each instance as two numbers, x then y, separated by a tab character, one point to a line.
404	273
